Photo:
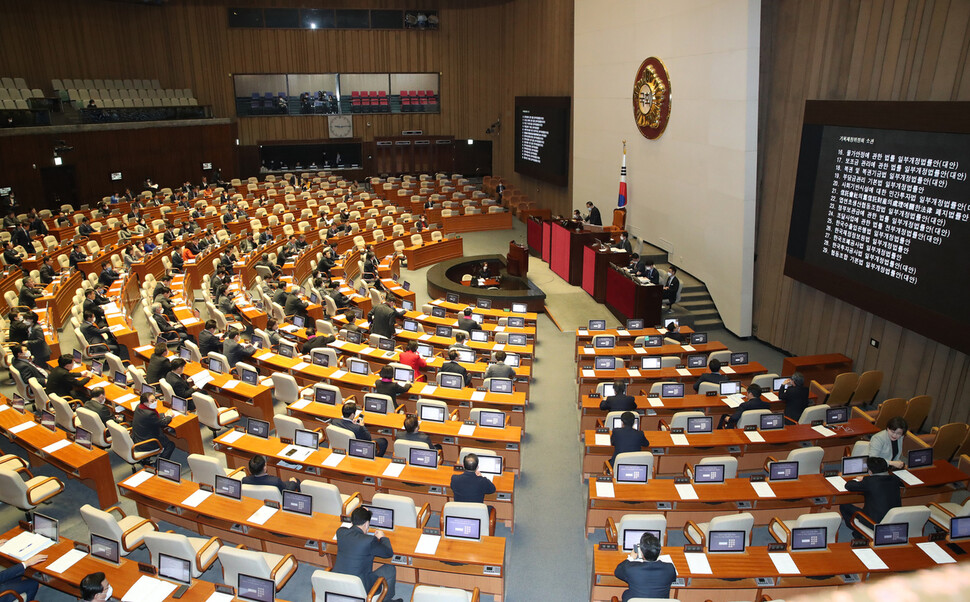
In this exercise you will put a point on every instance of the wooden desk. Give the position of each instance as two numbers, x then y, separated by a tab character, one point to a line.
567	240
59	298
491	315
588	379
90	466
623	336
423	485
596	260
433	252
822	368
477	222
587	353
627	298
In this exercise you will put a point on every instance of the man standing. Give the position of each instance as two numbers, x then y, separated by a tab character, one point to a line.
382	319
671	286
593	217
356	550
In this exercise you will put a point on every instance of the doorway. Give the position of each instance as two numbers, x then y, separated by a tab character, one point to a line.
60	186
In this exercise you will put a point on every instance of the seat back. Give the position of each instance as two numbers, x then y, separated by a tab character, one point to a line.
102	523
121	443
948	440
917	409
13	490
262	492
285	387
730	465
813	413
751	417
172	544
239	560
639	458
915	516
402	447
679	419
324	582
842	389
764	380
648	522
431	593
466	510
286	426
205	468
706	388
860	448
405	512
809	459
338	437
63	414
93	424
867	387
830	520
657	387
890	408
743	521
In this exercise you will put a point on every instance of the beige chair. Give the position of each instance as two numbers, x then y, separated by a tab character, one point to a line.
328	499
764	380
640	458
942	512
403	447
92	423
285	388
206	468
945	440
867	388
915	516
838	393
696	533
339	438
678	420
780	530
286	426
809	459
327	582
200	552
63	412
432	593
751	418
238	560
639	522
122	445
813	413
263	493
26	495
129	530
406	512
470	510
730	464
211	415
917	409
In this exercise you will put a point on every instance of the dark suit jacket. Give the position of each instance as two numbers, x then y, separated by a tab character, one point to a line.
63	382
12	257
318	342
356	551
180	386
108	276
619	403
391	389
92	334
360	431
382	319
673	282
22	238
47	274
235	352
467	324
626	246
28	370
148	424
209	342
280	297
163	324
416	436
796	400
627	440
99	408
37	344
18	331
646	579
158	366
273	481
456	368
881	493
27	296
469	487
752	404
709	377
75	257
92	306
294	305
594	217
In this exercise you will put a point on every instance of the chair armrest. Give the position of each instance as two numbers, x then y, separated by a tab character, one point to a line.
688	471
381	585
23	463
453	415
692	525
354	496
198	555
138	525
24	468
423	515
768	461
238	471
401	409
662	424
610	530
600	424
41	484
10	592
492	513
279	565
861	514
607	468
146	441
771	524
116	509
941	509
475	595
790	420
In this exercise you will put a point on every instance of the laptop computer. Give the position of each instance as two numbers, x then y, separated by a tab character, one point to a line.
731	387
297	503
890	534
700	424
463	527
918	458
305	438
855	465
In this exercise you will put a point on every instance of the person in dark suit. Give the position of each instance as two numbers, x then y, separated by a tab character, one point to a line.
208	339
85	229
90	305
76	256
165	282
181	387
95	335
624	243
27	369
385	385
626	438
29	293
411	432
65	383
95	587
469	485
452	366
164	298
714	376
13	578
316	340
754	402
10	255
671	286
295	305
158	364
257	476
382	318
356	426
148	424
18	327
356	550
98	404
880	492
36	340
279	297
795	395
169	330
234	350
593	217
108	274
619	401
21	237
484	271
466	323
47	272
646	576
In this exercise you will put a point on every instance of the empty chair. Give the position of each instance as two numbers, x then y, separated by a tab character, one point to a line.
781	529
751	418
895	406
809	459
338	437
431	593
205	468
867	387
63	413
764	380
640	522
838	393
942	512
679	419
264	565
696	533
730	464
657	387
914	516
328	582
328	499
917	409
286	426
403	447
128	530
470	510
640	458
92	423
945	440
406	512
210	414
200	552
26	495
285	388
813	413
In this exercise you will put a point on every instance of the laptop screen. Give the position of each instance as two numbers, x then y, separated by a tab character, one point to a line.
604	363
772	422
778	383
319	358
381	518
463	527
634	324
698	338
305	438
255	589
432	413
892	534
179	404
709	473
520	308
407	305
512	359
358	367
410	326
604	342
466	355
783	471
297	503
174	569
479	336
257	428
632	537
609	390
96	367
650	362
484	303
490	464
725	541
597	325
359	448
960	527
326	396
78	358
121	379
837	415
228	487
438	312
855	465
500	385
478	318
653	340
700	424
385	344
105	549
519	340
425	351
423	457
492	419
618	423
809	538
353	337
452	381
82	437
739	359
451	297
299	321
47	420
287	349
168	469
146	389
672	390
443	331
731	387
920	457
696	361
406	285
403	374
45	526
377	405
516	322
215	365
250	377
630	473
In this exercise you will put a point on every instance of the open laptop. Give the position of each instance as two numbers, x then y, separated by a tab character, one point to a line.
918	458
890	534
700	424
174	569
463	527
490	464
255	589
631	537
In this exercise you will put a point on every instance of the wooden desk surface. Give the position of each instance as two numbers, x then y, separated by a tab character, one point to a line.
490	314
742	373
586	352
433	252
623	335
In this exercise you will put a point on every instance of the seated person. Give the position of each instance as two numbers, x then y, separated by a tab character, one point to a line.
411	432
498	368
795	395
459	341
385	385
13	578
646	576
880	492
714	376
65	383
410	357
452	366
619	401
356	426
466	323
754	402
888	444
99	404
235	350
95	587
469	485
148	424
626	438
257	476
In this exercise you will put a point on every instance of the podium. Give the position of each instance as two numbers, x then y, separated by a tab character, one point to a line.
596	261
627	298
517	261
566	242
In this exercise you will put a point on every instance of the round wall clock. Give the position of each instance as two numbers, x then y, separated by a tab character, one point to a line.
651	98
341	126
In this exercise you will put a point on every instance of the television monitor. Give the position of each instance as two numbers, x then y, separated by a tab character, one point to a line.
381	518
82	437
257	428
433	413
618	423
542	137
960	528
427	458
121	379
443	331
515	322
653	340
650	362
451	297
778	383
407	305
438	312
105	549
700	424
855	465
174	568
604	363
631	473
358	448
920	457
672	390
228	487
698	338
634	324
709	473
305	438
255	589
729	387
45	526
299	321
500	385
809	538
726	541
839	415
358	367
632	537
297	503
167	469
96	367
604	342
491	418
48	420
452	381
410	326
891	534
771	422
185	354
490	464
739	359
375	404
479	336
513	360
425	350
353	337
597	325
463	527
483	303
250	377
403	374
385	344
520	308
215	365
327	396
696	360
466	356
782	471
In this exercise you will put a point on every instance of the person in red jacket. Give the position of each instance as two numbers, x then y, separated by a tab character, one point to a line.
411	358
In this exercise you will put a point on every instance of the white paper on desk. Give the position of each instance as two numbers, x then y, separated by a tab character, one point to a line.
466	430
763	489
300	366
424	337
697	563
262	515
727	370
837	482
393	470
823	430
770	396
298	454
589	373
25	545
149	589
367	350
126	398
733	401
111	308
498	347
655	402
220	597
640	349
299	404
144	348
117	327
53	447
196	498
190	321
934	551
478	396
22	427
604	489
429	389
201	378
623	333
907	477
65	562
4	407
137	479
232	437
754	436
686	491
665	558
589	350
869	558
499	329
422	317
783	563
261	354
683	372
231	383
338	374
688	348
289	328
338	344
334	459
633	372
662	330
679	439
581	331
601	439
427	544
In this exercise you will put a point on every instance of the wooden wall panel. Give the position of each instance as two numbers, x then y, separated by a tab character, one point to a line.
851	50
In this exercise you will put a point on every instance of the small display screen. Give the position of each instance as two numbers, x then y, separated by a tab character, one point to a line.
672	390
696	361
432	413
257	428
319	358
618	423
250	377
359	367
452	381
438	312
809	538
490	464
305	438
500	385
855	465
377	405
837	415
772	422
484	303
632	537
479	336
739	359
920	457
597	325
783	471
105	549
410	326
731	387
451	297
605	363
174	569
892	534
403	374
256	589
709	473
650	362
170	470
45	526
463	527
381	518
297	503
700	424
326	396
423	457
654	340
520	308
358	448
698	338
604	342
725	541
630	473
778	383
385	344
215	365
634	324
519	340
443	331
492	419
960	527
516	322
228	487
